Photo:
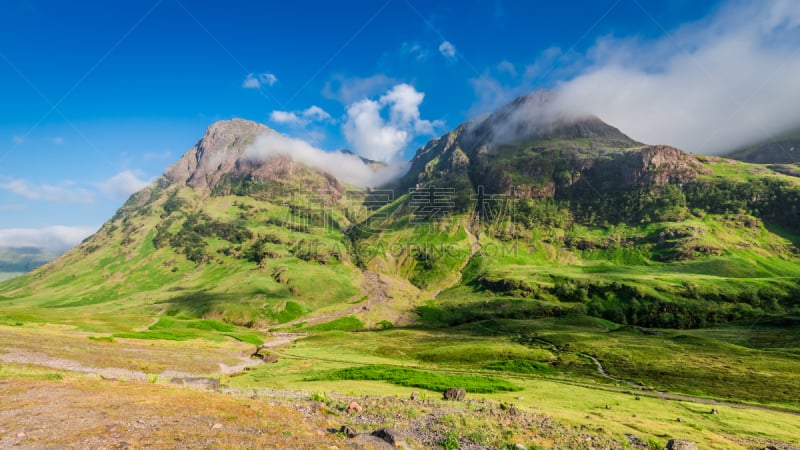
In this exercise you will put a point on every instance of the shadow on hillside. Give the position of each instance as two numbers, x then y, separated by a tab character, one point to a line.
198	303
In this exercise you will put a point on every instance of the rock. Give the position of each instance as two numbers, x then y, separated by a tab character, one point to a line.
520	447
20	435
681	444
679	419
373	442
354	407
208	383
714	411
414	395
392	437
637	398
348	432
608	406
217	426
455	394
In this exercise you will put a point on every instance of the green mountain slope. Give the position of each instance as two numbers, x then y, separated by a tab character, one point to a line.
520	215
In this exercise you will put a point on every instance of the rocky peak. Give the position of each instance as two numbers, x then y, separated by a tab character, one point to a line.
216	153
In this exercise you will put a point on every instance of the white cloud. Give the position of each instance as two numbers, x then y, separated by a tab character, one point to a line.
373	137
414	50
317	114
301	118
257	80
351	89
55	239
123	184
286	117
708	87
58	140
64	192
447	50
346	167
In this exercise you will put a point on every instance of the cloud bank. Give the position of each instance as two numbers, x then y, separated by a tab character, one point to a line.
346	167
707	87
373	136
55	239
64	192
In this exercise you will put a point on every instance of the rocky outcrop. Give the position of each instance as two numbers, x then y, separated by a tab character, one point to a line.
220	156
215	154
455	394
681	444
659	164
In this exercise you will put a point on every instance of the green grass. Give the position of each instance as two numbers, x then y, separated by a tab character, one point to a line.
421	379
182	330
348	323
520	366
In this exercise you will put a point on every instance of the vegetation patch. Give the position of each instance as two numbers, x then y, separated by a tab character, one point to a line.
420	379
348	323
520	366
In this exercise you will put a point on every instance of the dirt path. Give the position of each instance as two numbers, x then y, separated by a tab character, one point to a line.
602	370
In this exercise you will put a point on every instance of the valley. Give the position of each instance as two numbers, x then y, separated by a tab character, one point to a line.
581	286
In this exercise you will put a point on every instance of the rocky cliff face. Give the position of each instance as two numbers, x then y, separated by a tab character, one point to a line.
220	157
215	154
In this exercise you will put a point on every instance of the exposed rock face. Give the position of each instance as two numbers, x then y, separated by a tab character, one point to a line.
221	156
681	444
455	394
215	154
659	164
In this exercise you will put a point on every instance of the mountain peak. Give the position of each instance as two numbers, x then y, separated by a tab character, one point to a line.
216	153
537	115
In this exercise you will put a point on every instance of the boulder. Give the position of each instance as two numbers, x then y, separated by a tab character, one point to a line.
681	444
348	432
455	394
414	395
354	407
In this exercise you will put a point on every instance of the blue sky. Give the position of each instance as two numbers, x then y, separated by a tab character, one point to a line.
97	98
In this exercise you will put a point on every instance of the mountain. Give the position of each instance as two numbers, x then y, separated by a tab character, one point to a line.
17	260
524	213
781	149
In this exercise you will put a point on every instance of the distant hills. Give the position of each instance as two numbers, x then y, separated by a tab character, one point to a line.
781	149
523	213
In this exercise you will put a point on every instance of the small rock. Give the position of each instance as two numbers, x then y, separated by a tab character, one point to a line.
20	435
354	407
389	435
520	447
681	444
373	441
714	411
414	395
679	419
216	426
608	406
637	398
348	432
455	394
